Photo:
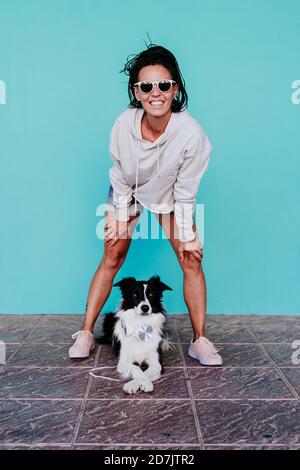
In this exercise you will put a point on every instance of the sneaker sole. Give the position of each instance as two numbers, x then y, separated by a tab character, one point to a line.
204	363
82	356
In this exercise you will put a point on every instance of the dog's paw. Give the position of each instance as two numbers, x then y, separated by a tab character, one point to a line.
153	374
123	371
146	386
131	387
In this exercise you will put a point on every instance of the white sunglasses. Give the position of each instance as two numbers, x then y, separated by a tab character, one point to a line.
163	85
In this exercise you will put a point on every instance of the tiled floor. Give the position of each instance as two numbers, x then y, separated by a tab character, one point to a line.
49	401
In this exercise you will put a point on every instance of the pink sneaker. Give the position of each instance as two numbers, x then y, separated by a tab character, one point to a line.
83	345
205	352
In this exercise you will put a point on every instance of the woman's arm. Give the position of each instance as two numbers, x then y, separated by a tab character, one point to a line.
187	184
122	192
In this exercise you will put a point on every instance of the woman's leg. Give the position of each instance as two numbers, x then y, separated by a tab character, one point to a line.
101	284
194	285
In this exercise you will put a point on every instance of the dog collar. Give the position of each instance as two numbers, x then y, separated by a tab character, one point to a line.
145	332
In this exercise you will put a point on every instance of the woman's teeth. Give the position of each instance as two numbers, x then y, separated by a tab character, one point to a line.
157	103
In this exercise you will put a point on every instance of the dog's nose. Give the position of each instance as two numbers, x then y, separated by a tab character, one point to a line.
145	308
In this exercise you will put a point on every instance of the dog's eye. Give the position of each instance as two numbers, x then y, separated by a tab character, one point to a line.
150	294
135	295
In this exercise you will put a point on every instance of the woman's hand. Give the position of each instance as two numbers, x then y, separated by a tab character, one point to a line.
114	229
194	247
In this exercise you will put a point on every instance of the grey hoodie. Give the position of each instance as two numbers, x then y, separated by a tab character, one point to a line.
163	175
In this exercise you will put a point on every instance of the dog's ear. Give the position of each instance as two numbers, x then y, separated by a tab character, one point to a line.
124	283
155	280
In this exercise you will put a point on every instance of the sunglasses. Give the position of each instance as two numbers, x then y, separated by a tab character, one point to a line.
163	85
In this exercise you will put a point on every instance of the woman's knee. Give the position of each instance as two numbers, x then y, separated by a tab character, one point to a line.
114	256
190	263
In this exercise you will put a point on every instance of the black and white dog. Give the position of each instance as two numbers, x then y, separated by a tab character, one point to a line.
138	333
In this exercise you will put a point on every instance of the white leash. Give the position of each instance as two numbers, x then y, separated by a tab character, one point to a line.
144	333
91	372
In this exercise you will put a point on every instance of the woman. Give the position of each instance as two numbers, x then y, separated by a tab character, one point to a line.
160	154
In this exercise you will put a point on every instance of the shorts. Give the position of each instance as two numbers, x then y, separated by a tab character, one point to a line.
110	205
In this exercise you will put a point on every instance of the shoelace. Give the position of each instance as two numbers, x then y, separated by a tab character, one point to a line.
74	336
209	343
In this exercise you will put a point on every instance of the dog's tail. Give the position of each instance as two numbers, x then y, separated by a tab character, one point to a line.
167	345
108	329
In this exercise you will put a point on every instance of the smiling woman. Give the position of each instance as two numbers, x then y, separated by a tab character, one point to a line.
156	98
160	153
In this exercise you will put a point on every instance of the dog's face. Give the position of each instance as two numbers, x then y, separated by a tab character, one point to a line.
144	296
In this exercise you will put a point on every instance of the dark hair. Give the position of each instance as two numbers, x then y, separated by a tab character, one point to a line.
151	56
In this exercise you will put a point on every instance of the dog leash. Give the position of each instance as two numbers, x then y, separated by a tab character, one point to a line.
144	334
91	372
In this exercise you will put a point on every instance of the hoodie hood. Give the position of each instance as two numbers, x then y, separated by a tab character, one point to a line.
135	120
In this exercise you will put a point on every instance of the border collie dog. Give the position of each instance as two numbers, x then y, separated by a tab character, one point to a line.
138	333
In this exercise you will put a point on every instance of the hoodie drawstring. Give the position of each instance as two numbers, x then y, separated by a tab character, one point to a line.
157	159
137	177
136	183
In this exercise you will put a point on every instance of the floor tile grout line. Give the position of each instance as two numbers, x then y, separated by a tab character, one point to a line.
40	445
175	329
246	399
24	339
225	343
33	328
150	400
246	446
221	343
129	444
246	343
49	343
281	374
40	399
84	401
196	367
272	342
95	444
199	367
239	327
288	367
188	383
125	444
20	366
13	354
185	445
186	375
149	446
288	384
48	367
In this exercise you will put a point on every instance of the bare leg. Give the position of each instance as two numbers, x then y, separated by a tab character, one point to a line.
101	284
194	285
195	296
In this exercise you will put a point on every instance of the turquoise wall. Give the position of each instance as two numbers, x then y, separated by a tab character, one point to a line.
61	92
